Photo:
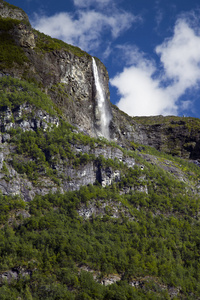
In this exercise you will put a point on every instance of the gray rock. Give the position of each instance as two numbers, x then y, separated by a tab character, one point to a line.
110	279
5	137
14	274
83	175
108	176
22	117
12	12
1	159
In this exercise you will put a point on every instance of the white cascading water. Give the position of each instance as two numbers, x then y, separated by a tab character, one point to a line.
104	114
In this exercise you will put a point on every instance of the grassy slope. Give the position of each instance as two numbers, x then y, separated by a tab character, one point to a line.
172	121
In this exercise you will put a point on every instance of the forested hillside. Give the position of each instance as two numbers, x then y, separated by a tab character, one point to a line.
136	237
83	217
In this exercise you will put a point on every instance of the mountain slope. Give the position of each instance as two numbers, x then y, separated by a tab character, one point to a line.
82	217
65	73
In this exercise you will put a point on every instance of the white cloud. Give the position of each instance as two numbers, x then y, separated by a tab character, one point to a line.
87	3
133	56
107	51
86	28
141	94
145	91
185	105
180	56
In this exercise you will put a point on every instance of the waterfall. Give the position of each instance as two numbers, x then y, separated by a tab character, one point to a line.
104	115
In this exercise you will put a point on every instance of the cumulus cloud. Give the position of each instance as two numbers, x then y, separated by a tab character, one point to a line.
180	57
86	28
141	94
146	91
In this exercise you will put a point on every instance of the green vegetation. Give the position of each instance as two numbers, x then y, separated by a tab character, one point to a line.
7	24
46	149
54	242
191	170
46	43
172	121
158	120
15	92
154	240
11	55
8	205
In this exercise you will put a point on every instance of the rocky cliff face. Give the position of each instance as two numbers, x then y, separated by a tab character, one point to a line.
65	73
69	80
10	11
174	135
21	119
178	136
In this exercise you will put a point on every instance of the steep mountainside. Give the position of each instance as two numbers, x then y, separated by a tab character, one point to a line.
65	73
81	216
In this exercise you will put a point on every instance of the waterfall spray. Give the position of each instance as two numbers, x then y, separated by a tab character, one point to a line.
101	103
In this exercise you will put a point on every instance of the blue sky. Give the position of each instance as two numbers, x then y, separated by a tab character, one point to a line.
151	48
